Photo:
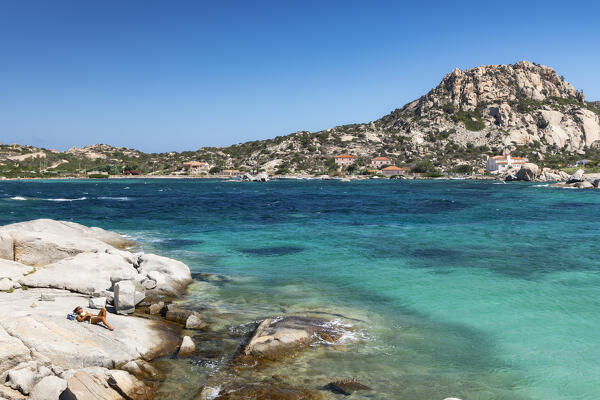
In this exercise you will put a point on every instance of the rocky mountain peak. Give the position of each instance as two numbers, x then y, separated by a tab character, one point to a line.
488	84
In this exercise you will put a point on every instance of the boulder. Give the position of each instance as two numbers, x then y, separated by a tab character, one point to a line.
194	321
171	276
83	386
156	308
84	273
346	386
97	303
275	339
123	275
124	300
187	347
176	314
149	283
128	385
576	177
596	183
264	391
45	247
528	172
49	388
24	377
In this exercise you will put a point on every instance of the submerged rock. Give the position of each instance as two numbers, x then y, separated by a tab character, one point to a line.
264	391
346	386
278	338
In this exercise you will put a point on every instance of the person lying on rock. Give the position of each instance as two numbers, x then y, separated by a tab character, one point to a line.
92	319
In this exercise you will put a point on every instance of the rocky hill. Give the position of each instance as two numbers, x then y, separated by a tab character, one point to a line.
524	108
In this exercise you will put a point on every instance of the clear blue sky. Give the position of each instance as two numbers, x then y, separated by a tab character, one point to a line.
178	75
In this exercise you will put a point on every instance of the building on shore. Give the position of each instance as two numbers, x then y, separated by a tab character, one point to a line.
230	172
392	170
345	159
501	163
196	167
379	162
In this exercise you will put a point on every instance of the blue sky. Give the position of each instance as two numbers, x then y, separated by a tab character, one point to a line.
177	75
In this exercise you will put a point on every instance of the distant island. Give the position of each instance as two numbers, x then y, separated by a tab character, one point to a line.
524	109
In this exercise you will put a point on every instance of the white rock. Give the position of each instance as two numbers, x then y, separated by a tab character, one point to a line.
97	303
13	270
127	384
71	344
26	377
6	284
132	367
84	273
577	175
49	388
194	322
187	346
149	283
124	297
83	386
174	275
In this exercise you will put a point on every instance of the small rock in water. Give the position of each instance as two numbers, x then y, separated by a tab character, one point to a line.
187	346
176	314
97	303
194	321
346	386
156	308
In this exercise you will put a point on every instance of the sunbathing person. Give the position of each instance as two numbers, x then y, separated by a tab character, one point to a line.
92	319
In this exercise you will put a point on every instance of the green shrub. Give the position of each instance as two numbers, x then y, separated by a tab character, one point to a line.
473	120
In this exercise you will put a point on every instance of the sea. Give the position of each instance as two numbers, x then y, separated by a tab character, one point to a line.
444	288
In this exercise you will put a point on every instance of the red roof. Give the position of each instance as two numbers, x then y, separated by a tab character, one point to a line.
392	168
381	159
345	156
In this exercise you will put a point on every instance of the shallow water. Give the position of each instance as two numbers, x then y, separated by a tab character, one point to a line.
453	288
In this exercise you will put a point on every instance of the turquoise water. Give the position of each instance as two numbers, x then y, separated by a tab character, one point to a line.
477	290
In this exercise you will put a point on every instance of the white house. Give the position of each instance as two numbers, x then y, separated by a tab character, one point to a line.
501	163
380	162
345	159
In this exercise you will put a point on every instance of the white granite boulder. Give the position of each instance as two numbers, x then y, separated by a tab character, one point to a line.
83	273
49	388
187	347
97	303
128	385
84	386
171	276
124	299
